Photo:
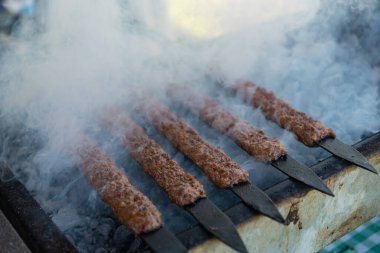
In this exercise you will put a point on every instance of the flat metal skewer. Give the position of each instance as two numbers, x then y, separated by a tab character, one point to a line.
301	173
217	223
346	152
163	241
258	200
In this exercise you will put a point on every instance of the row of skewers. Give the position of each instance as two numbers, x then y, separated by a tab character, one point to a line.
139	214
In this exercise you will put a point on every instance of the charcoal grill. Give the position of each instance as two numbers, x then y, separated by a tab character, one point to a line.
314	219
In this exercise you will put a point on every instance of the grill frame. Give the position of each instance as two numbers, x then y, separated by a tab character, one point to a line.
30	221
287	189
42	235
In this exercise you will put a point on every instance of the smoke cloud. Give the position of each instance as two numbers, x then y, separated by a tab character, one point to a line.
63	65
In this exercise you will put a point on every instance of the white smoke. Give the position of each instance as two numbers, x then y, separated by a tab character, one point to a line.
321	67
61	67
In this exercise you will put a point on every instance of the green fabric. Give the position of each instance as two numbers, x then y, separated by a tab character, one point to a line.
364	239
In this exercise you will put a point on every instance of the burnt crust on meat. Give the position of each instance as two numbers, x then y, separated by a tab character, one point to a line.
256	143
252	140
308	130
131	207
218	166
182	188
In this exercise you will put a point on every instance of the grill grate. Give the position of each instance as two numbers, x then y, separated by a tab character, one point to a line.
42	235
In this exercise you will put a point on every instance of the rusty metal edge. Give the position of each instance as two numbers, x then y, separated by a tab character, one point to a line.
33	225
286	189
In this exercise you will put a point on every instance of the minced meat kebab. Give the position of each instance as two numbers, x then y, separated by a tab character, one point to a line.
309	131
182	188
217	165
132	208
252	140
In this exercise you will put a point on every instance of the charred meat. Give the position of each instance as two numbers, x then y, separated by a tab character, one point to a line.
218	166
252	140
130	206
182	188
309	131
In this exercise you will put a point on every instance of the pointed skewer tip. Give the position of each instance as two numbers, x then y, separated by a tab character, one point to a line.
301	173
370	168
346	152
279	218
257	200
329	192
217	223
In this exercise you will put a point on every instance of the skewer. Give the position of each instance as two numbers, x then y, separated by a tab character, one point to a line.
219	168
346	152
309	131
182	188
252	140
217	223
130	206
163	241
